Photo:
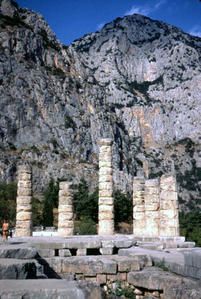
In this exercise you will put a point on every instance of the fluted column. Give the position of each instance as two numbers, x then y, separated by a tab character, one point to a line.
65	210
24	205
169	210
138	206
106	201
152	206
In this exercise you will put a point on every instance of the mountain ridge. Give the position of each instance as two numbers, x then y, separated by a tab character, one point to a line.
136	81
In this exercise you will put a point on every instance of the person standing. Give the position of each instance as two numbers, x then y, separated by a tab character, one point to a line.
5	229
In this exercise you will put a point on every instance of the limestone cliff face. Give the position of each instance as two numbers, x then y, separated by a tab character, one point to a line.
137	81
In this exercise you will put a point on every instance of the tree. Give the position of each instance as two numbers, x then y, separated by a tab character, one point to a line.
85	204
123	208
8	194
50	201
190	226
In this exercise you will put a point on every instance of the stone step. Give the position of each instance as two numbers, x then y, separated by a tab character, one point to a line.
185	262
94	265
17	269
171	285
49	288
18	251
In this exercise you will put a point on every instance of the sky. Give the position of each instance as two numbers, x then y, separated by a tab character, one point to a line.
71	19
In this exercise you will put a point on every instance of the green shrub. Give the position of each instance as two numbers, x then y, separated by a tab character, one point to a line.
37	212
50	202
190	226
119	290
85	226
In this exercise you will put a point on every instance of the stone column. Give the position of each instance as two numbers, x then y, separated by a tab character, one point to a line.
152	206
169	210
65	210
106	202
24	206
138	206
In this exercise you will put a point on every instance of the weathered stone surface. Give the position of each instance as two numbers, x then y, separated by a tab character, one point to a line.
17	269
153	279
24	207
155	207
89	265
106	207
64	252
169	210
49	288
65	210
15	252
106	251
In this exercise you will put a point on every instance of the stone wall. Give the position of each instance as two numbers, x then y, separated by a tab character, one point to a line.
155	207
24	206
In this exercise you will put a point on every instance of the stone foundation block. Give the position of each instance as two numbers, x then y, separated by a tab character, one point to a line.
64	252
101	279
81	251
106	251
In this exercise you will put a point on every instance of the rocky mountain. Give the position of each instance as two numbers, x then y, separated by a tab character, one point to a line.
137	81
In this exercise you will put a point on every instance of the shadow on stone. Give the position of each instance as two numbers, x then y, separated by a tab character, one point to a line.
47	271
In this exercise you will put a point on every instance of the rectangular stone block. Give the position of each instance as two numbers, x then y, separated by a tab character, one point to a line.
106	227
168	196
101	279
89	265
105	179
24	216
105	193
46	252
128	264
105	164
105	171
106	251
107	215
24	192
122	276
64	219
24	176
106	201
106	186
138	215
139	208
24	184
112	277
106	209
90	278
24	208
81	251
64	252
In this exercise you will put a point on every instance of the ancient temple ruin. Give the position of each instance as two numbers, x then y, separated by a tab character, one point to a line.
155	202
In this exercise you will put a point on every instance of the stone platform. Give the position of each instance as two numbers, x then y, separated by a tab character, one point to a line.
101	261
